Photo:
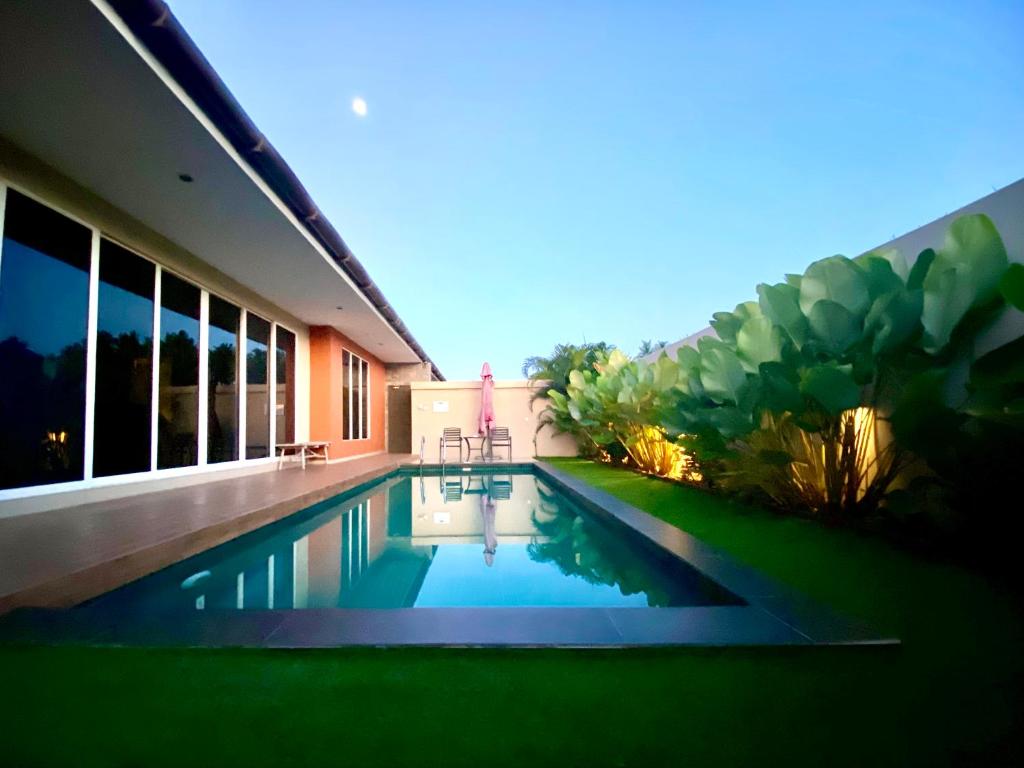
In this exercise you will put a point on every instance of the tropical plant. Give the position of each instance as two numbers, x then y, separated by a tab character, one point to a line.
552	373
618	401
790	399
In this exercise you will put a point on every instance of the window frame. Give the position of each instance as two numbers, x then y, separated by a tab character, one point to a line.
347	410
153	473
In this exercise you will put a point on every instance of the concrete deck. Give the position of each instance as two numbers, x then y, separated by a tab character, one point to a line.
61	557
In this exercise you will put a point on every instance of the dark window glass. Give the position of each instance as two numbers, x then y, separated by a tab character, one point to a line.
222	411
364	399
179	373
346	395
44	298
285	397
257	388
124	363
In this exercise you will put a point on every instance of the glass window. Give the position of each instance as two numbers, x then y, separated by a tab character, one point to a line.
44	298
124	363
346	395
178	419
355	377
364	399
222	394
257	389
285	399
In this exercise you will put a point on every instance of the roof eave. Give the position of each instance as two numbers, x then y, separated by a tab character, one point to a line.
152	22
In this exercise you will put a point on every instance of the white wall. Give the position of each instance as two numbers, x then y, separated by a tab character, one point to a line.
462	400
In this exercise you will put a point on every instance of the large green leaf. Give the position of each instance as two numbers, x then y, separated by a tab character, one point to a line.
557	398
576	379
1011	285
835	279
897	261
574	410
758	341
688	357
747	310
964	274
834	327
666	374
721	373
924	262
831	386
781	304
617	360
726	325
894	318
729	421
780	388
879	272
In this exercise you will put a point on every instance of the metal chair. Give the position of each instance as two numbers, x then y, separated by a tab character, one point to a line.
500	490
452	488
451	437
500	438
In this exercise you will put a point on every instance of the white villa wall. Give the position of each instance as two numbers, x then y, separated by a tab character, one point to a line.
440	404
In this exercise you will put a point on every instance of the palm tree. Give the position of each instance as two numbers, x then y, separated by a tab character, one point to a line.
646	347
555	369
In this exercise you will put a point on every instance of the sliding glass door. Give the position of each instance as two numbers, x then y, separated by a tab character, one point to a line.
178	417
222	381
44	308
124	363
257	390
160	374
285	395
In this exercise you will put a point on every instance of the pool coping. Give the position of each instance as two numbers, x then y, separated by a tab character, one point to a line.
774	614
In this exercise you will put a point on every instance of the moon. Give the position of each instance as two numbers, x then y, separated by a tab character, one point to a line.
359	106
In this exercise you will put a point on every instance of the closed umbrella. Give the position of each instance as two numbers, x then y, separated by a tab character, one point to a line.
486	400
488	510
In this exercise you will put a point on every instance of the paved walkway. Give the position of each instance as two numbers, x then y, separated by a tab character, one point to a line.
64	556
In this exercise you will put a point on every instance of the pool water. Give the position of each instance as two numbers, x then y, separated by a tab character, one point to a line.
429	540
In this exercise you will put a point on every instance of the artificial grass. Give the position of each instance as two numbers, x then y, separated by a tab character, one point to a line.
951	695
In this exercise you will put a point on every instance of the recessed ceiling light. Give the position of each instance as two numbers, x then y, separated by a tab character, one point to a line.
186	177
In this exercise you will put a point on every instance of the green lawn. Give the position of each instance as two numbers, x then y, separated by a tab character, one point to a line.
952	694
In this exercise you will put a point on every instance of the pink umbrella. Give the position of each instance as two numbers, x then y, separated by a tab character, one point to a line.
486	400
488	510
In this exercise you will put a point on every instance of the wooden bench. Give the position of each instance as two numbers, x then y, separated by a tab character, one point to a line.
316	449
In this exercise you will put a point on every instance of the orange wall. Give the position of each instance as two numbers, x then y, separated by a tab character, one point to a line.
326	410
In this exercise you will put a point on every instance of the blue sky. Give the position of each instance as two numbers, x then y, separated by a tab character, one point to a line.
618	171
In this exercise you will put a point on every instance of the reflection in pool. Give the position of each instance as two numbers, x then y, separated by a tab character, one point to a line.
478	539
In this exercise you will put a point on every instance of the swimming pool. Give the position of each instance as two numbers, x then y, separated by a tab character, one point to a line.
494	555
449	539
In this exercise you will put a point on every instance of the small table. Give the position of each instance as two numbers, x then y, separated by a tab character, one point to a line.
470	448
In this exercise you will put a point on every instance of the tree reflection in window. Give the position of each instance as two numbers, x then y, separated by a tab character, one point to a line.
257	389
124	363
222	389
44	294
179	373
